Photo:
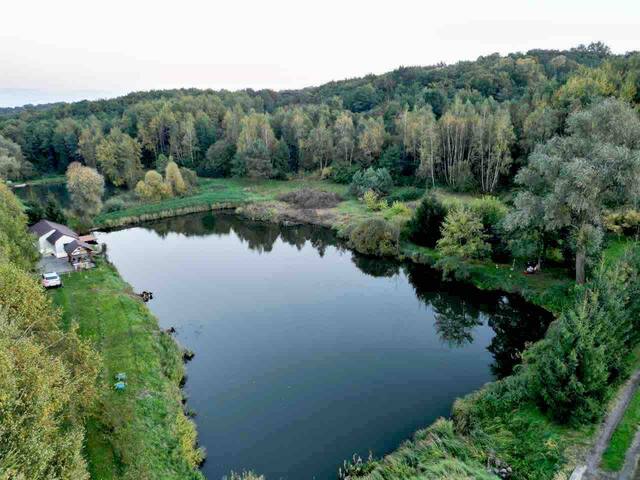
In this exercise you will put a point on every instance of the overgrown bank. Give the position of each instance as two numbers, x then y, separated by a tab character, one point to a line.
141	432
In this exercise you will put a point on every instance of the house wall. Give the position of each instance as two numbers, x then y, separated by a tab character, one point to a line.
44	247
59	247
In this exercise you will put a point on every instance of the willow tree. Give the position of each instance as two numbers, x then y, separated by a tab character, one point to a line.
572	180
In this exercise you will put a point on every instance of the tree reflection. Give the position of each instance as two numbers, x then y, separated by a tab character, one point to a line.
455	321
376	267
458	309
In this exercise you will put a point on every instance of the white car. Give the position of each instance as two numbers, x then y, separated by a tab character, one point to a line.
51	280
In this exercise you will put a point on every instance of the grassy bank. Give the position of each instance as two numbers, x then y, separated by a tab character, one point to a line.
141	432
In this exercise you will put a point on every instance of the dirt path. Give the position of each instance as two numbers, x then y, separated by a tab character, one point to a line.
606	430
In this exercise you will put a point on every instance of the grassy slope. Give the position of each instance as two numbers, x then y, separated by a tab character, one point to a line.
141	432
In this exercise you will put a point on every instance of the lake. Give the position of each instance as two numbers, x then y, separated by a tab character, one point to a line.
306	353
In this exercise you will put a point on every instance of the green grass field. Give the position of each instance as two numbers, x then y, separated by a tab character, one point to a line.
141	432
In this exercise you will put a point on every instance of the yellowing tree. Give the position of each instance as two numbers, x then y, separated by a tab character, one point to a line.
86	187
174	179
153	187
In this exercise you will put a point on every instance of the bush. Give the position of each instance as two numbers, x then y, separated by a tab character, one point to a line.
424	227
153	187
462	235
375	237
377	180
310	198
343	173
189	176
491	212
406	194
626	222
397	209
114	204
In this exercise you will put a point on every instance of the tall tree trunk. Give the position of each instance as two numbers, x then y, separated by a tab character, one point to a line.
581	257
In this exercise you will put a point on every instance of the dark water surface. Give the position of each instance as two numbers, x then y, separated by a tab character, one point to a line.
305	352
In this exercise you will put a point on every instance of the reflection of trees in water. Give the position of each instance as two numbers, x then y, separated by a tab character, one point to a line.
259	236
376	267
458	308
455	320
516	324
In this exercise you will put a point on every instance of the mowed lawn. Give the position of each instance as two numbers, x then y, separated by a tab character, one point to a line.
141	432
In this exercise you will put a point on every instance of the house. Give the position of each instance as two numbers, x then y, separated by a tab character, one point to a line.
60	241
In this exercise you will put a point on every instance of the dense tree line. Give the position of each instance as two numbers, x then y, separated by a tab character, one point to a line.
468	126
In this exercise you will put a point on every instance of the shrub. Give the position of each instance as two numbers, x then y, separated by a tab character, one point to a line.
377	180
114	204
424	227
462	235
491	212
153	188
189	176
406	194
375	237
310	198
397	209
343	173
173	177
370	199
626	222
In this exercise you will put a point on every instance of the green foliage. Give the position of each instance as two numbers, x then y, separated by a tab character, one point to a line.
492	212
463	238
586	349
625	222
570	375
86	188
152	188
375	237
118	156
424	227
343	173
47	378
218	161
16	245
397	209
436	453
569	181
406	194
113	204
377	180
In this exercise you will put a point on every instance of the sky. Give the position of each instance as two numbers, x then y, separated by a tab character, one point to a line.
67	50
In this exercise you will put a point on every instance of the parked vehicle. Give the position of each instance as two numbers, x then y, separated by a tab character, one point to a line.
51	280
